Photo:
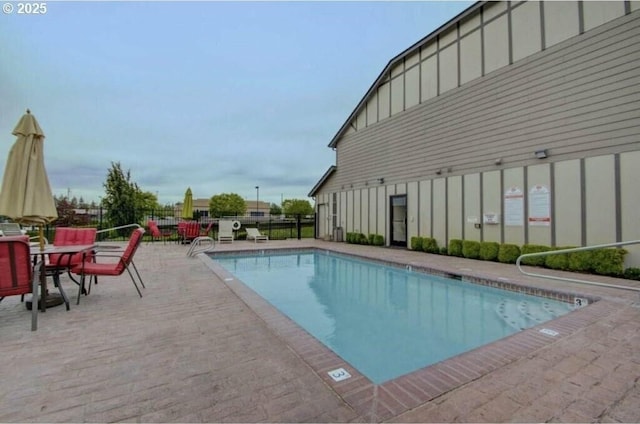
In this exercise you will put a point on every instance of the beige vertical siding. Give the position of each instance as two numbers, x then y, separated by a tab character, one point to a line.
492	204
472	213
372	109
342	208
357	207
454	207
383	212
561	21
413	211
364	211
412	87
425	209
397	95
630	204
496	44
448	68
439	211
429	78
599	12
470	57
600	199
526	30
567	200
373	211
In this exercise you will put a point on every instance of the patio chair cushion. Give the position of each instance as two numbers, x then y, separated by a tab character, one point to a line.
67	236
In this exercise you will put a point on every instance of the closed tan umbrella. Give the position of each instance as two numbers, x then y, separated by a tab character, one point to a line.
187	206
26	195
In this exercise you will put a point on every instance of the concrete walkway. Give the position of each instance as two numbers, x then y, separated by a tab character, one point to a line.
193	350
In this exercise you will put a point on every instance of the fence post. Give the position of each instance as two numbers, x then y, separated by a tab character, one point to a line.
299	226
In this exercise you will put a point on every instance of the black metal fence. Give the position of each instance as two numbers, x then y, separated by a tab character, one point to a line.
276	227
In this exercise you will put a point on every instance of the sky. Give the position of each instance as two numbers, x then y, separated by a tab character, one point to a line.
217	96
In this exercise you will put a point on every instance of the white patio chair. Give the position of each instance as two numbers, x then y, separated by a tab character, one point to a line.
225	231
254	234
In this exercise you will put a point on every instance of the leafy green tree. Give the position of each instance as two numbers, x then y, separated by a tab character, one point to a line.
121	197
227	204
147	200
297	207
275	210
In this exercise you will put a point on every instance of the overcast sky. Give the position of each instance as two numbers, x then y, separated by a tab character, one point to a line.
217	96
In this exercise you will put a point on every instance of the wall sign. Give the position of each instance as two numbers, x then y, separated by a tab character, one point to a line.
539	206
514	207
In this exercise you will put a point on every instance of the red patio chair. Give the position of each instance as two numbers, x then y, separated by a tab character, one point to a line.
191	231
69	236
207	230
17	274
182	225
93	268
156	233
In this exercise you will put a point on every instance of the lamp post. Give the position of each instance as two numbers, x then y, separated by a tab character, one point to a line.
257	200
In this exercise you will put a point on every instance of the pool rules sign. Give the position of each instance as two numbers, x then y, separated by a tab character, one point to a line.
539	206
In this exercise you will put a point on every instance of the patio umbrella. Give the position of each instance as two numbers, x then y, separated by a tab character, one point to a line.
187	206
26	195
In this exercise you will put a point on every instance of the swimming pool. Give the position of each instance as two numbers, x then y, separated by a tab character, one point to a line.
386	321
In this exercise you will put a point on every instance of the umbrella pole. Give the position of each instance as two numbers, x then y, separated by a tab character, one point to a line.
41	237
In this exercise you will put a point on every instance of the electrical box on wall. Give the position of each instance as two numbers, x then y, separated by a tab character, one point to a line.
491	218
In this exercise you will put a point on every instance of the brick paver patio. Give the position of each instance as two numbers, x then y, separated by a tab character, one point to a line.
198	349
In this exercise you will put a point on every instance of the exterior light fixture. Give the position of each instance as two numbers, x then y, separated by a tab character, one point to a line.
498	161
541	154
381	180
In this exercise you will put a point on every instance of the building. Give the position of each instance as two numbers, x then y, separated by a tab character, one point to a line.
515	122
201	206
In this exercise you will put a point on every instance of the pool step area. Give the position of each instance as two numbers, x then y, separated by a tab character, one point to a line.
521	314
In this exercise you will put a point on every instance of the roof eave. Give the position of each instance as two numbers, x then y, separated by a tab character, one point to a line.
392	62
322	180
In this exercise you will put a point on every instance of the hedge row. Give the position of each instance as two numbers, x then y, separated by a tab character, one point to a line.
603	261
371	239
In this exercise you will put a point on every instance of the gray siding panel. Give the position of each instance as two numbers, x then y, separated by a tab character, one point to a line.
579	96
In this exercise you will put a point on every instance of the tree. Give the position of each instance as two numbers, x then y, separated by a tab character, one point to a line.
67	215
275	210
227	204
121	197
147	200
297	207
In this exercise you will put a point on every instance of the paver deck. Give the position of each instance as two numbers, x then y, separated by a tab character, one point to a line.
198	349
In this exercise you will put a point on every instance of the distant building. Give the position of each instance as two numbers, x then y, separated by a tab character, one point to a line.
202	207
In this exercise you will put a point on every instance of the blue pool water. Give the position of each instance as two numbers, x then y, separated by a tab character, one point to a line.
386	321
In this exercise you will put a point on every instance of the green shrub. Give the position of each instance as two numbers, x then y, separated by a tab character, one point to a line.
609	262
489	250
581	261
430	245
416	243
362	239
632	274
559	261
455	247
443	250
508	253
471	249
371	239
534	248
378	240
